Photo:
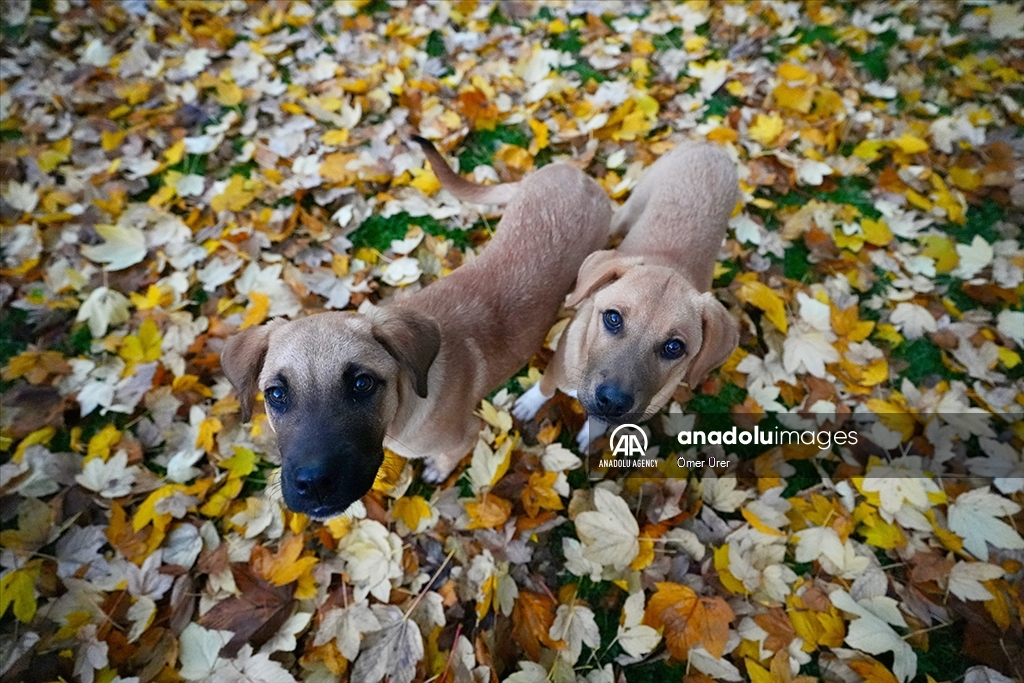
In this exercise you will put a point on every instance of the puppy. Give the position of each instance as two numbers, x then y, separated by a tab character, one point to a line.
340	387
645	320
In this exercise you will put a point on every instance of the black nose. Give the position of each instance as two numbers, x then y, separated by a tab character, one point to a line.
310	483
612	401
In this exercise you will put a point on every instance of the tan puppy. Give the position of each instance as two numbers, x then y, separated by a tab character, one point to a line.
645	320
408	376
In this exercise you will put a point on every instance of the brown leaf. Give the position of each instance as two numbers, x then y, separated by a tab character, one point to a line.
254	615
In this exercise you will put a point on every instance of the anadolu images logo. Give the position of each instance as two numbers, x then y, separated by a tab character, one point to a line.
628	441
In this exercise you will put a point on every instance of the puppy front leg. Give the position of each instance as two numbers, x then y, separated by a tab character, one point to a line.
527	405
440	465
592	429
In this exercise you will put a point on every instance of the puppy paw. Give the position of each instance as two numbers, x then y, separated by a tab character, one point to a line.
592	429
527	405
439	467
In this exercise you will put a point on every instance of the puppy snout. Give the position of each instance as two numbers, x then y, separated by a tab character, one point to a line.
310	483
612	401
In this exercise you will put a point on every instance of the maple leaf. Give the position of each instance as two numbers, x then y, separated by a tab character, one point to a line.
574	627
539	493
610	533
346	626
872	633
636	638
974	517
123	247
393	650
254	615
689	620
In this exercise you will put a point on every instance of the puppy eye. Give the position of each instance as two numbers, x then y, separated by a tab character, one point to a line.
673	348
612	321
363	384
277	397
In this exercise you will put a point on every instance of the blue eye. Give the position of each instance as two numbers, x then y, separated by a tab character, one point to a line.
673	348
363	384
612	321
276	397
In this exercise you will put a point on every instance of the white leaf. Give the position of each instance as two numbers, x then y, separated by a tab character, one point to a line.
609	534
635	638
373	556
199	649
284	640
393	651
811	172
1006	21
973	258
965	579
715	667
558	458
110	479
123	247
529	672
873	635
97	54
102	308
346	625
576	627
1011	324
21	196
912	320
808	350
402	271
973	517
141	615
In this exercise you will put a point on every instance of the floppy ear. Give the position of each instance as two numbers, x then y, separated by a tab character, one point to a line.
721	335
242	362
414	340
600	268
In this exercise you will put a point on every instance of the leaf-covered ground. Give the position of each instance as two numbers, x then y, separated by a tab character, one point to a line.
173	171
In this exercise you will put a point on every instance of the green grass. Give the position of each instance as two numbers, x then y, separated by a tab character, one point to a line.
480	145
376	232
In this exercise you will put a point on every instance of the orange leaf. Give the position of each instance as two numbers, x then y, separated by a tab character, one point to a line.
488	513
689	620
285	566
539	493
532	617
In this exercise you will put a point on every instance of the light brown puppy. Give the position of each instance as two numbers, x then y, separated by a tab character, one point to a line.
409	375
645	320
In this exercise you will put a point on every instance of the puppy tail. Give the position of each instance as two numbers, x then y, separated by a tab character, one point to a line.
464	189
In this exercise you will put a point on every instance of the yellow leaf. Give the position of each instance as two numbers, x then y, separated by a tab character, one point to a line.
514	157
764	297
794	97
1009	359
488	513
756	522
412	510
727	578
111	140
237	195
102	442
795	72
207	428
965	178
218	503
175	153
644	556
242	463
143	347
943	250
876	232
766	129
869	150
887	332
162	196
910	144
872	671
190	383
335	168
425	181
50	159
18	587
257	312
154	296
335	137
228	94
540	134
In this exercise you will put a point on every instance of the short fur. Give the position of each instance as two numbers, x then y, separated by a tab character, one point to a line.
430	356
657	280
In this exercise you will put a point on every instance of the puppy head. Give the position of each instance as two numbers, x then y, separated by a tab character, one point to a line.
332	383
647	329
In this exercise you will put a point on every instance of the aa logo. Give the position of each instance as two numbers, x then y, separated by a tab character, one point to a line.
628	441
